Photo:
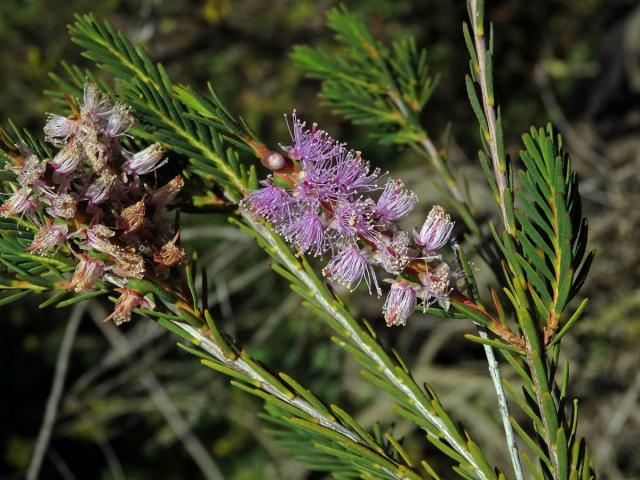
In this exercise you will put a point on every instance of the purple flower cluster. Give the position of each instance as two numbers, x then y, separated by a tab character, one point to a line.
328	200
90	200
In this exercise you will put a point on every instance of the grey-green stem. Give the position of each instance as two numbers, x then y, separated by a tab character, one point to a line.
499	168
327	305
243	367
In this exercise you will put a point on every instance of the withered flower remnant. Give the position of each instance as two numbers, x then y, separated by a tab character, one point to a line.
92	202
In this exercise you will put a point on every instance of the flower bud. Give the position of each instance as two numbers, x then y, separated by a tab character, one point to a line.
400	304
274	161
435	231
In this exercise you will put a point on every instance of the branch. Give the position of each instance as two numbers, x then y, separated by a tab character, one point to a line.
122	346
245	366
396	376
484	77
494	370
503	405
53	401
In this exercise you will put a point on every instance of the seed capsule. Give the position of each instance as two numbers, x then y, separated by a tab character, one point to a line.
274	161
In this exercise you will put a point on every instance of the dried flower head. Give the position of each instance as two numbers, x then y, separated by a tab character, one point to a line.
132	217
436	286
96	238
18	204
128	301
128	262
68	159
164	195
96	106
170	254
86	274
62	205
394	253
59	129
101	188
96	152
31	171
119	121
48	238
90	188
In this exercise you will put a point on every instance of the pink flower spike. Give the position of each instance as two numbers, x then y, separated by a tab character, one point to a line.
395	202
308	233
270	202
435	231
144	161
400	304
310	145
348	267
59	129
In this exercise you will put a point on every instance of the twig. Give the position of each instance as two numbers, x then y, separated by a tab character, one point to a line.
62	467
503	405
426	147
163	402
110	455
494	372
53	401
239	365
499	168
328	306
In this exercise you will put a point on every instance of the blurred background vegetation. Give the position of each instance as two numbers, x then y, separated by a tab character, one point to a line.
130	392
